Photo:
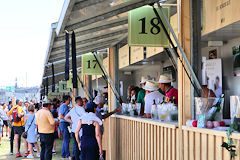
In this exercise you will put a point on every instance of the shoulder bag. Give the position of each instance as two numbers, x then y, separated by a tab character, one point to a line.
24	135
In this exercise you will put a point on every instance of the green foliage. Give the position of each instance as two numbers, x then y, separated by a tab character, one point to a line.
229	144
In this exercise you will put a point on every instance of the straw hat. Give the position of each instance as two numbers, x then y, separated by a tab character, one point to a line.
164	79
151	86
144	79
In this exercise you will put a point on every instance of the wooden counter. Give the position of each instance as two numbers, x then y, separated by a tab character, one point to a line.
199	144
137	138
145	139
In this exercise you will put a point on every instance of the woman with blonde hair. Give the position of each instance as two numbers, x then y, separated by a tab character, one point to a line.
31	129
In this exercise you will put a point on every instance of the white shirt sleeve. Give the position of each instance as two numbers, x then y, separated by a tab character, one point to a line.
148	104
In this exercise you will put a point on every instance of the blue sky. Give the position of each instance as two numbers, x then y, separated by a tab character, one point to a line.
24	33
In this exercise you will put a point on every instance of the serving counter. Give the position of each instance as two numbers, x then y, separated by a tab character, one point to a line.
200	143
146	139
140	138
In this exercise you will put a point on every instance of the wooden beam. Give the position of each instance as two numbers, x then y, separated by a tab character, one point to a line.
111	106
184	85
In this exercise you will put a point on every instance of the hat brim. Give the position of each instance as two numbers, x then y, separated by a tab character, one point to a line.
165	81
143	81
150	88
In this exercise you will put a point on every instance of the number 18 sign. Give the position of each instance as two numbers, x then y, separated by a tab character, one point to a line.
90	65
144	28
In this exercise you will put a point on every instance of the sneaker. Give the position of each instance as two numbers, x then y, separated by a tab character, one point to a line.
54	152
18	155
10	153
34	149
26	154
70	158
6	135
38	155
30	156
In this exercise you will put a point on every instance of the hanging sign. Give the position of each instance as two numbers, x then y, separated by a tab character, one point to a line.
123	59
151	51
144	28
137	54
69	82
218	14
105	64
63	87
90	65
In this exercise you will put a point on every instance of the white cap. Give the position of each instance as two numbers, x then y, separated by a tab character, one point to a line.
151	86
164	79
144	79
99	99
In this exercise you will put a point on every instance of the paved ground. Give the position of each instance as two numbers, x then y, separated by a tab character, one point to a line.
5	148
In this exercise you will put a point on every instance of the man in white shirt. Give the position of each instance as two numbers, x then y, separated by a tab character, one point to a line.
73	117
152	94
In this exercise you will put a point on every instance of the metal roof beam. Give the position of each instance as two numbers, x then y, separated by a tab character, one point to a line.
85	3
99	27
56	58
94	38
89	45
110	12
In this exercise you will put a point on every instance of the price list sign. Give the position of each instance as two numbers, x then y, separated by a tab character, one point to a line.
145	28
90	65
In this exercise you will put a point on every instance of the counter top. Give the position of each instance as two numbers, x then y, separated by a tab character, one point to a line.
149	121
211	132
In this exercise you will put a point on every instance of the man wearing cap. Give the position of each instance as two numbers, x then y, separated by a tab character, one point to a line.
142	92
100	101
170	92
152	95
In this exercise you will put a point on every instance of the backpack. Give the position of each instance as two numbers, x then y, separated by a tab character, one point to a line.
15	115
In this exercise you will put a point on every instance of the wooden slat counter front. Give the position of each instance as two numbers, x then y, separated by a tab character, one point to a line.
205	144
145	139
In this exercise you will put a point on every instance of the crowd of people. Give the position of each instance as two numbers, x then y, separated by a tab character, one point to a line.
34	122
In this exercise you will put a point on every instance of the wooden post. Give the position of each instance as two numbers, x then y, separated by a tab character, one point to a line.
85	81
111	105
184	85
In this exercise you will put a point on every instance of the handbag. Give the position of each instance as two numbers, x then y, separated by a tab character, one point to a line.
101	157
24	134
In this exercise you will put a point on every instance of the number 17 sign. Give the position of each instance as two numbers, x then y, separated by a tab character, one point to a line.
90	66
144	28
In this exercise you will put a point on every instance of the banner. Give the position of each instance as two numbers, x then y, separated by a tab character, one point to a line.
63	87
214	75
144	28
90	65
69	82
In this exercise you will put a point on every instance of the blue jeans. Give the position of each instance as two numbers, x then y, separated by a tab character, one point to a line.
66	139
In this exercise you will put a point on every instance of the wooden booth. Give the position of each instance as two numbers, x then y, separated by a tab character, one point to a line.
104	25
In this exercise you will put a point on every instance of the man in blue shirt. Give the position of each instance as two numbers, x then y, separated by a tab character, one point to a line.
63	111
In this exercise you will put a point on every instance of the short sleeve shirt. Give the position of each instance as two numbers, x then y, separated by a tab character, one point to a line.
149	98
63	109
75	115
19	110
172	92
141	95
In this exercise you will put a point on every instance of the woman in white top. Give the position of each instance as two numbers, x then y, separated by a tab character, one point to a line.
91	140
